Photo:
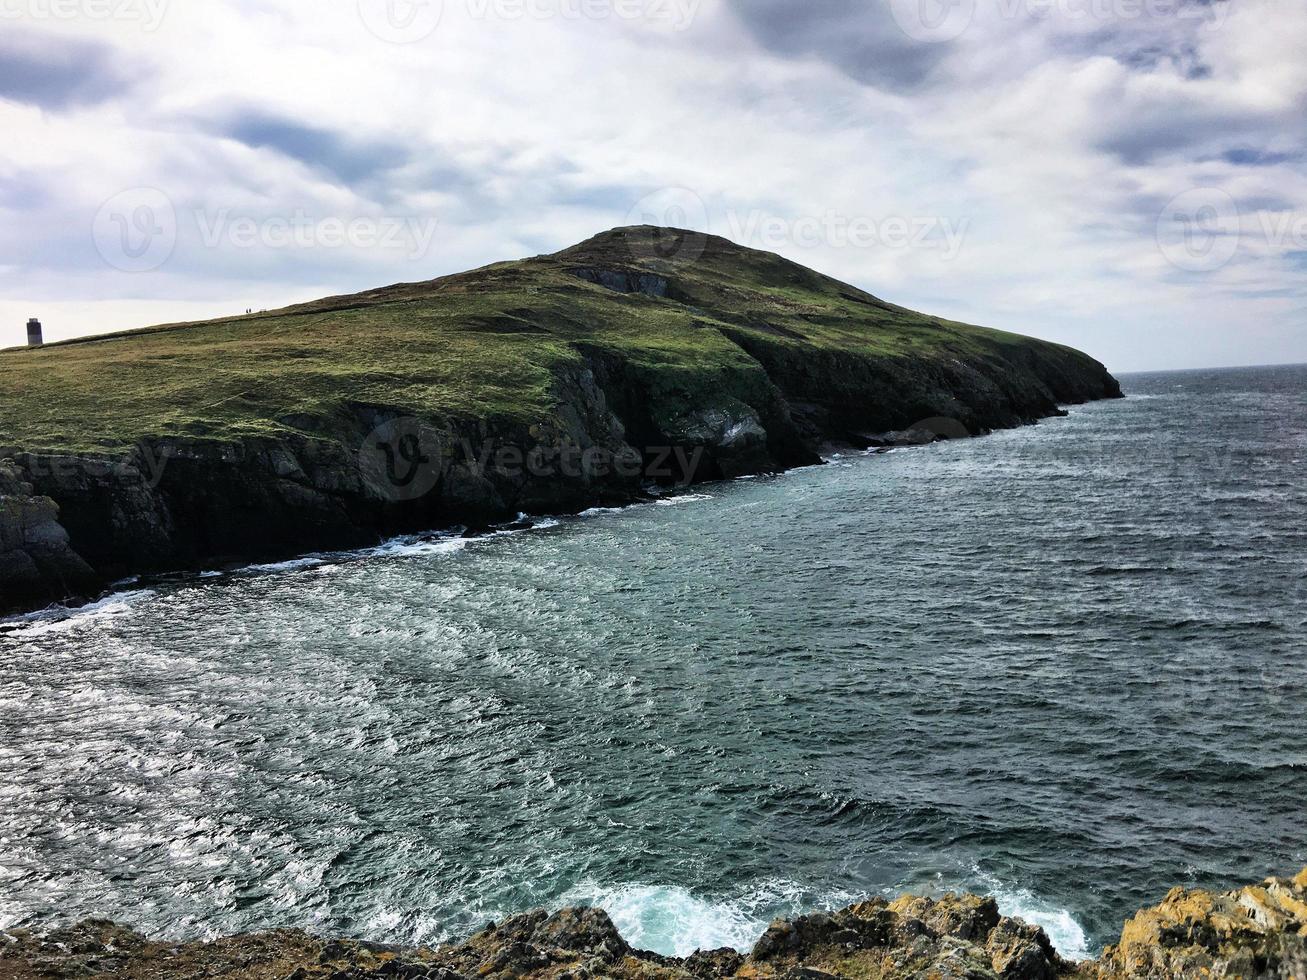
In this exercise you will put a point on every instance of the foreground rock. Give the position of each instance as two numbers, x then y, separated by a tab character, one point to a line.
1259	931
1255	932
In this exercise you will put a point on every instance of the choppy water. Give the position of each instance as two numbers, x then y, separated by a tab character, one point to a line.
1064	665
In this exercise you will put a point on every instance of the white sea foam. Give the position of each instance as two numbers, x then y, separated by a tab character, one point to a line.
1066	933
415	547
671	920
674	921
114	604
600	511
276	567
688	498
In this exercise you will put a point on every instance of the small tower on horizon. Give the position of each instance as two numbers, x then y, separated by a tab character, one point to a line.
34	333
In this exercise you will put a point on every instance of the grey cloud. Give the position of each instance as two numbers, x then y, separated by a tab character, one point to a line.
1171	127
1247	156
858	37
56	73
349	161
1163	42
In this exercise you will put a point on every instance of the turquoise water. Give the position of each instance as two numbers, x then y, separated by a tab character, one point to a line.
1062	664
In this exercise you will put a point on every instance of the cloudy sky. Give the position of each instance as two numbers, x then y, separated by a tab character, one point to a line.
1128	176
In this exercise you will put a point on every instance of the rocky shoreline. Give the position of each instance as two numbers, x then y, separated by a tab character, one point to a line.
1258	931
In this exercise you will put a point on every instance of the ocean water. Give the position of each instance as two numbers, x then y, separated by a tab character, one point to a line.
1063	665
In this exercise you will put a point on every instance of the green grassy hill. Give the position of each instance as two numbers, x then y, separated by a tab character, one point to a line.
262	436
488	343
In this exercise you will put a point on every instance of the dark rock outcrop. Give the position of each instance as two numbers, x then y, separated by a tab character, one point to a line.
37	562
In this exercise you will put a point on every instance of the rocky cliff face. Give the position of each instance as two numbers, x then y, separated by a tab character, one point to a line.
185	503
37	563
1258	932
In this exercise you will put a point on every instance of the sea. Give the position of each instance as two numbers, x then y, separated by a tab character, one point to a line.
1064	665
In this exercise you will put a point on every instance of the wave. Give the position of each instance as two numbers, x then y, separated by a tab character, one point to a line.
414	546
273	568
1068	936
673	921
54	617
601	511
685	498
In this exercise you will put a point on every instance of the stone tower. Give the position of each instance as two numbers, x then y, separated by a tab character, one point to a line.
34	333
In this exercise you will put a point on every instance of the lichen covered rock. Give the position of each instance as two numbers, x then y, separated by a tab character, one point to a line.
1258	931
1253	933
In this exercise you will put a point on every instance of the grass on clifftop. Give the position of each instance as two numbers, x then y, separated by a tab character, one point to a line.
484	344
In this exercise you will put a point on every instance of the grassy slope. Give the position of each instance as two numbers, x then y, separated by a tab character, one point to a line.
481	344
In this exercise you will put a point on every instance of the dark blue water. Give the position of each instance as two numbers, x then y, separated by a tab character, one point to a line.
1064	665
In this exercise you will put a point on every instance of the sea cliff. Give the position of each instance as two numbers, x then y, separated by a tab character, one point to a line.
546	385
1254	932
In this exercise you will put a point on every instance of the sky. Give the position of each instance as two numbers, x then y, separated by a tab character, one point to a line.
1126	176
